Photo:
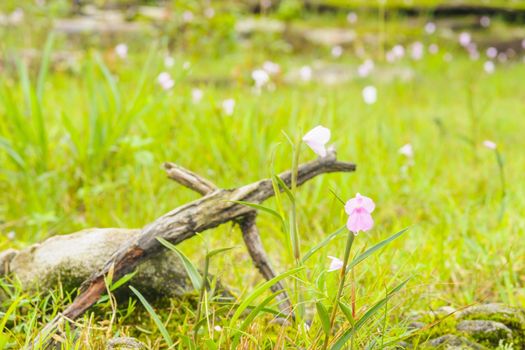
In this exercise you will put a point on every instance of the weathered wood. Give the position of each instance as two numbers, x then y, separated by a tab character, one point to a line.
212	210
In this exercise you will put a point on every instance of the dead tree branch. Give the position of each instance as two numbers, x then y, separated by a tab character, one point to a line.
216	207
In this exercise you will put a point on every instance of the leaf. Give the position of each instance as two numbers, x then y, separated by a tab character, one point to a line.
193	273
285	188
258	291
373	249
154	316
323	317
347	311
44	65
341	341
263	208
214	252
323	243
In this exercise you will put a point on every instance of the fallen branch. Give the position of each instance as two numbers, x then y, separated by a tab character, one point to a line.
216	207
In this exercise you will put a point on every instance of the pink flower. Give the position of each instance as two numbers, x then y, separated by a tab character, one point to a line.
359	209
335	264
317	138
490	144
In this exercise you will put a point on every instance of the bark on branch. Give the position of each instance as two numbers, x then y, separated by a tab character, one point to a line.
216	207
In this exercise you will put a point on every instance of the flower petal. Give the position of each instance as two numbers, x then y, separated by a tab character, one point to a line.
359	201
317	138
360	220
335	264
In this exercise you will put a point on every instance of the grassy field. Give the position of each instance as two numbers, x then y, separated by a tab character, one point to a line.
83	147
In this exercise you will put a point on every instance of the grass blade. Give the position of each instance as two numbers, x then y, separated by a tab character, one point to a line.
367	315
374	249
323	317
193	273
323	243
154	316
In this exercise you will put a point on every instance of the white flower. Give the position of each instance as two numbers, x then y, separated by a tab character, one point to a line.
417	50
490	144
351	17
228	106
317	138
370	94
209	12
433	49
260	77
217	328
492	52
430	27
169	61
11	235
306	73
464	38
335	264
121	50
484	21
407	150
196	95
186	65
489	67
187	16
337	51
165	81
366	68
271	67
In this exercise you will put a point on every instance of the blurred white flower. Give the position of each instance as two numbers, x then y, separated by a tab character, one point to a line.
217	328
489	67
337	51
186	65
209	12
271	68
369	94
365	68
187	16
169	61
523	43
305	73
417	50
165	81
448	57
260	77
484	21
407	150
17	16
433	49
121	50
492	52
228	106
430	27
502	57
399	51
335	264
351	17
465	38
11	235
490	144
196	95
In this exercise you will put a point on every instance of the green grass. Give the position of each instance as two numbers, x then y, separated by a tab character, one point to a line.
83	148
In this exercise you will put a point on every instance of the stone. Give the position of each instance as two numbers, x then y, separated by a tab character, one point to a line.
70	259
125	343
5	260
249	26
512	317
491	332
454	342
329	36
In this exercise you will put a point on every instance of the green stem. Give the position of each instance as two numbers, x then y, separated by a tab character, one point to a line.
348	248
501	168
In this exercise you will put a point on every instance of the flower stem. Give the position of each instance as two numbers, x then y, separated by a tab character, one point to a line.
348	248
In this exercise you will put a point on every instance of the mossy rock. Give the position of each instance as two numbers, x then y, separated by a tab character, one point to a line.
485	326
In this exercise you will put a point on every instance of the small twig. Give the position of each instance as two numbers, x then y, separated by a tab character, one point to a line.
189	179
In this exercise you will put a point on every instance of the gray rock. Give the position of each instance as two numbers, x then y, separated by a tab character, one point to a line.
125	343
250	26
485	331
454	342
329	36
72	258
5	260
512	317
